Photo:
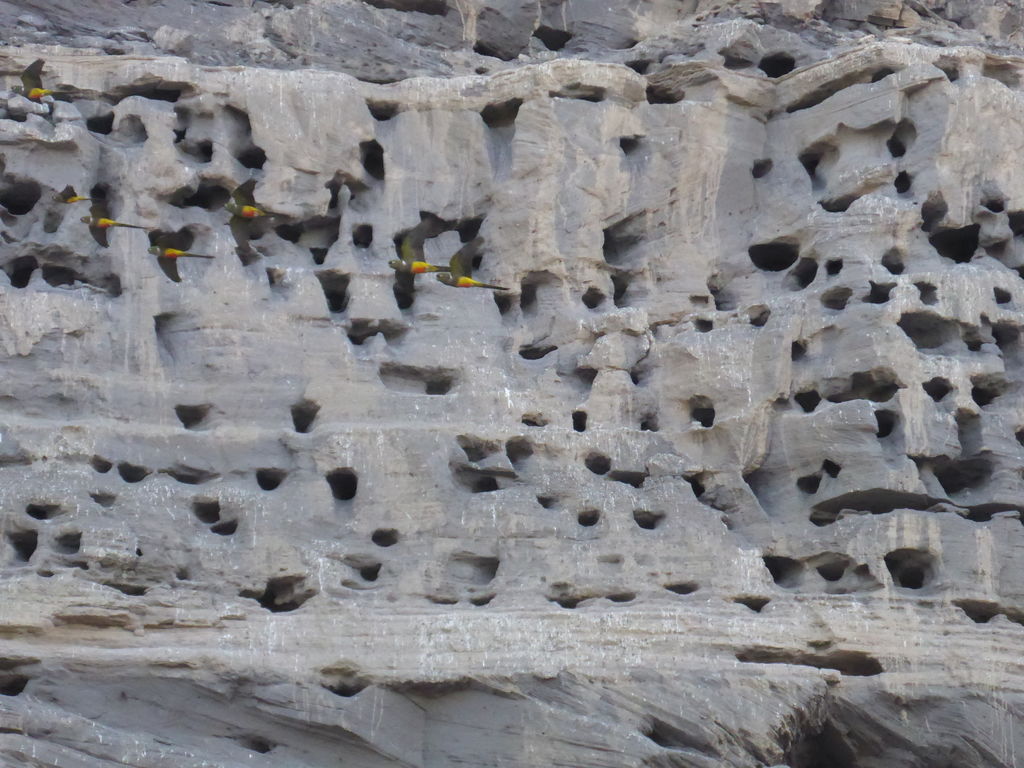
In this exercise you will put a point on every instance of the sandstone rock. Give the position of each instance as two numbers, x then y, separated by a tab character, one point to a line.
730	475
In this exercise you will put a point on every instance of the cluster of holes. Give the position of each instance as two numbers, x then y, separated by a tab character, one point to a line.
207	511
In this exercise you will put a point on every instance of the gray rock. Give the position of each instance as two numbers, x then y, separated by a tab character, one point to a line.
729	475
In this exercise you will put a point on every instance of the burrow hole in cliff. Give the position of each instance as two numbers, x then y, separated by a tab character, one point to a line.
413	380
854	663
255	743
518	450
886	422
702	411
105	500
371	155
304	414
68	543
879	293
777	64
1001	295
346	683
553	39
132	473
597	463
664	93
683	587
802	275
588	517
670	737
761	168
43	511
12	684
208	196
362	235
756	604
647	519
270	479
24	544
822	748
20	270
593	298
902	182
928	330
581	91
343	482
775	256
877	385
536	351
785	571
892	260
245	150
807	400
836	298
475	448
937	388
902	138
384	537
579	421
19	196
282	594
956	475
192	416
101	123
335	287
628	477
957	245
927	292
910	568
987	387
933	211
207	511
100	464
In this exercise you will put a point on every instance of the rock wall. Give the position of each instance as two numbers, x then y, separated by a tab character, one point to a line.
730	474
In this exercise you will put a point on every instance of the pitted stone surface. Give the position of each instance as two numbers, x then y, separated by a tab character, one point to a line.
730	475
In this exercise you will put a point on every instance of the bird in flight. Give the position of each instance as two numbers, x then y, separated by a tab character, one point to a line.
461	268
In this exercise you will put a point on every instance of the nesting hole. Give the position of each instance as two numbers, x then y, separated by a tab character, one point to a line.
598	463
702	411
808	400
270	479
24	544
777	64
910	568
192	416
761	168
384	537
335	288
893	262
344	483
304	414
371	155
647	519
132	473
937	388
775	256
362	235
207	511
43	511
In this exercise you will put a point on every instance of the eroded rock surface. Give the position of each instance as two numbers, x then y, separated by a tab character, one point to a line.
730	475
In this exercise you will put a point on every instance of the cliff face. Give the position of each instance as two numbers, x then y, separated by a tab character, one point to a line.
730	475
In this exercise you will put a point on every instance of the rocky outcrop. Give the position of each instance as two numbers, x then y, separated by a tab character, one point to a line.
730	475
